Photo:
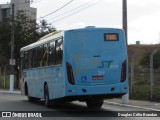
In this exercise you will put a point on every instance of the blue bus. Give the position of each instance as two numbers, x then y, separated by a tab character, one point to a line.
88	65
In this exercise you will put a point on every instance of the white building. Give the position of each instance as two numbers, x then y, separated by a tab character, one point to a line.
19	5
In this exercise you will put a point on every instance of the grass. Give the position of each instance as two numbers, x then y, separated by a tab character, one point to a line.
7	82
142	88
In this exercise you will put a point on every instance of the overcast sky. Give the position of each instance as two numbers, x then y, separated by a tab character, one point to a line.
143	16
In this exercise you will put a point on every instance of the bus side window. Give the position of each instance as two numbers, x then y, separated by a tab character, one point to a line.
52	53
30	58
45	54
21	60
59	51
25	62
34	58
40	55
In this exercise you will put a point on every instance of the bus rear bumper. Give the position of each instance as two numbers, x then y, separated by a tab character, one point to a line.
110	91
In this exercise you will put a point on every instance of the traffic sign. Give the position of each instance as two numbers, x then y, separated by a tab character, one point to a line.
12	61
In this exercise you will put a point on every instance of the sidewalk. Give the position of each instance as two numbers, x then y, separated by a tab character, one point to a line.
8	91
144	105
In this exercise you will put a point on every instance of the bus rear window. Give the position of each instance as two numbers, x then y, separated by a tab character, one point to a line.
111	37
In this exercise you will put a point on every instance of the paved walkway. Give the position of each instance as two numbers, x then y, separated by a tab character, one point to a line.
144	105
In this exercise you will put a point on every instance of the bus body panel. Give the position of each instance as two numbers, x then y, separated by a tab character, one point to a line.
54	78
96	66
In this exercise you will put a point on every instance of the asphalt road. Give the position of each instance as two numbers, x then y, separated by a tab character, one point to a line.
16	102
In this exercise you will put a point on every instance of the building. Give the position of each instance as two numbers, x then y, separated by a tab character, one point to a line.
19	5
4	11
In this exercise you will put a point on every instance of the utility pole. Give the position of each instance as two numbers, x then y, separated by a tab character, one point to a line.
125	19
125	98
12	61
151	72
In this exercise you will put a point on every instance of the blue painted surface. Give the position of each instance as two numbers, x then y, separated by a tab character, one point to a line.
90	57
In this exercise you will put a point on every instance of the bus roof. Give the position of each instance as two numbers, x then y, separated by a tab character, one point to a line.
43	40
90	28
59	34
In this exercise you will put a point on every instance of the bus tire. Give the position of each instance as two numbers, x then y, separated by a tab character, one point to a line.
47	102
94	104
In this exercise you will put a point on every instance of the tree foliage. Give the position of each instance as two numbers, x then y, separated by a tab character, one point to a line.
26	32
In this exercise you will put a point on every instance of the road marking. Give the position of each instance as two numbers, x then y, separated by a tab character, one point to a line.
133	106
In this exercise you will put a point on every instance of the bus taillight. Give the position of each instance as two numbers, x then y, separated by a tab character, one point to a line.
70	73
123	71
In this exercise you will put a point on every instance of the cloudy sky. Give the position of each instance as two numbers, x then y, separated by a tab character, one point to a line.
143	16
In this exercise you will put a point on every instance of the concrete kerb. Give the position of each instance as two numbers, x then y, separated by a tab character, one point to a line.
10	92
132	106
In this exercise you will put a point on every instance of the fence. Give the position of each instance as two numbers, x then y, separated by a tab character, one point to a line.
144	72
4	76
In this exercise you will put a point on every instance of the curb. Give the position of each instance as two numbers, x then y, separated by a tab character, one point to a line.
132	106
10	92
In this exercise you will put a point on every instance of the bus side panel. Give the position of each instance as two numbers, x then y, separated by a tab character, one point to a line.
56	82
70	90
31	84
53	76
22	83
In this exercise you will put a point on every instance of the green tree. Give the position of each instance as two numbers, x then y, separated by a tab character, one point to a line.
45	28
5	35
26	32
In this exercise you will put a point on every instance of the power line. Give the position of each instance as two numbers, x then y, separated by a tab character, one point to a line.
76	12
56	10
72	10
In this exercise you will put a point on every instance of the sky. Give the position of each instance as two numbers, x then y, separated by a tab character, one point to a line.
143	16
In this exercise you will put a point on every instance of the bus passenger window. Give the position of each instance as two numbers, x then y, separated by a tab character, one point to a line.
40	55
22	60
30	58
26	60
59	51
45	55
52	53
34	58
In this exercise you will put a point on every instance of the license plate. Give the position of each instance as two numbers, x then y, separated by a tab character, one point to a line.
99	77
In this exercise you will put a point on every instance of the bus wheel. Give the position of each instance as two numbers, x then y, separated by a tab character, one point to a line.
94	104
47	102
